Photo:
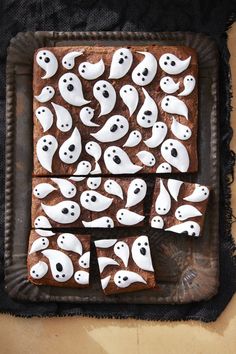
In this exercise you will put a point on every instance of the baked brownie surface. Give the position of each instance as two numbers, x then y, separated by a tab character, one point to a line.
121	110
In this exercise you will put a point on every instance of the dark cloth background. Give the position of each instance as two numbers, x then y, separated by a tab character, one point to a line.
207	16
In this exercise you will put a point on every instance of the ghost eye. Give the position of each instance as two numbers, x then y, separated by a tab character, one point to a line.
104	85
64	80
139	244
98	88
70	78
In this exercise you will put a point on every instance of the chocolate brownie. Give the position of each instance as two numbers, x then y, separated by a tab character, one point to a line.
125	265
122	110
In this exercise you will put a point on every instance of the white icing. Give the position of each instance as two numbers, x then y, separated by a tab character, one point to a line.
45	117
148	113
105	243
67	189
114	129
45	150
102	222
190	227
103	262
70	150
121	250
86	114
39	270
105	93
42	190
176	154
159	131
157	222
172	65
64	119
146	70
91	71
174	105
185	212
46	94
199	194
94	182
83	169
105	281
136	192
174	187
121	63
128	217
141	253
81	277
164	167
70	242
94	201
44	233
70	88
68	61
65	212
147	158
134	139
168	85
189	85
42	222
93	149
163	201
181	131
48	62
97	169
84	260
61	265
117	161
113	187
124	278
40	244
129	96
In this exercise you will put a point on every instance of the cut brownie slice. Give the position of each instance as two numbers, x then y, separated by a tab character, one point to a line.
179	206
125	265
58	259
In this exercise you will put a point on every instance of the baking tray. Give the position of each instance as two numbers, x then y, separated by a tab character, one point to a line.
187	268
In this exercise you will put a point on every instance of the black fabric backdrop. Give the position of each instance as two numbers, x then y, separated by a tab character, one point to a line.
210	17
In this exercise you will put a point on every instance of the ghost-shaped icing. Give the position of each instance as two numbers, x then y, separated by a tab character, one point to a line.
147	158
94	201
42	190
105	93
45	150
181	131
189	85
164	167
48	62
117	161
185	212
172	65
91	71
129	96
39	270
61	265
124	278
86	114
105	281
68	61
121	250
114	129
67	189
159	131
199	194
84	260
64	119
157	222
83	169
168	85
176	154
70	150
93	149
94	182
70	242
141	253
163	201
190	228
65	212
128	217
44	233
174	105
174	187
133	139
121	63
102	222
146	70
103	262
113	188
70	88
42	222
39	244
136	192
45	117
148	113
46	94
105	243
81	277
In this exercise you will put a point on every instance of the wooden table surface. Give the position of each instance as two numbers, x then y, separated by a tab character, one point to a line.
87	335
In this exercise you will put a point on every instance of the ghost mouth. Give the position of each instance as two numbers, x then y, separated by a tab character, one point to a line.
174	152
71	147
47	60
116	159
121	61
70	87
137	190
45	148
105	94
145	72
114	128
143	251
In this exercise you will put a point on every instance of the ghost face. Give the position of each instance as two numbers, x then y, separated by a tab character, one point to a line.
45	150
90	71
46	94
141	253
61	265
45	117
128	217
168	85
48	62
175	153
70	88
117	161
146	70
105	93
136	192
121	62
68	60
94	201
65	212
70	150
172	65
114	129
129	96
124	278
148	113
174	105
